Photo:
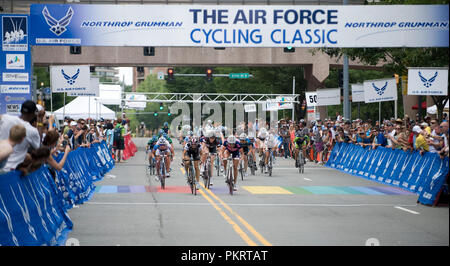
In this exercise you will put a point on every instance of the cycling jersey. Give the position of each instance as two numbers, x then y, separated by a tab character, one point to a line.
193	152
212	146
233	150
245	144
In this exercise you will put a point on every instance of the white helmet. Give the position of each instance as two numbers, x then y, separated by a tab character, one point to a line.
243	136
251	135
209	133
231	139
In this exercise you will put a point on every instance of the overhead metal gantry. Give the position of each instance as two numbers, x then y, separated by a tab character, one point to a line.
168	97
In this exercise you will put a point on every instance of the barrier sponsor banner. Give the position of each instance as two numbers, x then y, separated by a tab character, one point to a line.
240	26
70	78
33	208
420	174
328	97
427	81
357	93
380	90
15	77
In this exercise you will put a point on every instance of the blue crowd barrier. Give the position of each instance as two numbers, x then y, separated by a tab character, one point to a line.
420	174
33	208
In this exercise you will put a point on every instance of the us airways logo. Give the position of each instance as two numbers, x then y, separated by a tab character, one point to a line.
58	27
428	82
70	79
380	91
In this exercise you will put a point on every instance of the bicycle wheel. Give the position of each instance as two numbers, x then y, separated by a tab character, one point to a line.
300	162
230	179
191	180
270	166
208	175
218	164
251	164
163	176
241	170
261	162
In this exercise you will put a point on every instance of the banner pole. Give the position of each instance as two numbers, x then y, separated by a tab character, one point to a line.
293	97
379	112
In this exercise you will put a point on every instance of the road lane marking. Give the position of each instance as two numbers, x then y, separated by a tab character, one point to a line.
307	179
266	190
406	210
253	204
247	225
236	227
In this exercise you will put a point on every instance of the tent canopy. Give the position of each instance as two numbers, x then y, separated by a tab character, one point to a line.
83	107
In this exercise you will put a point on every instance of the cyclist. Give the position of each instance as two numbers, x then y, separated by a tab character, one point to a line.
183	133
167	137
262	135
166	128
232	147
270	144
192	149
149	148
161	148
209	145
300	141
245	146
252	148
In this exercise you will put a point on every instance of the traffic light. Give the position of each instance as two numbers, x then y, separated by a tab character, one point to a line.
169	114
340	78
289	49
397	78
155	114
209	74
170	74
161	106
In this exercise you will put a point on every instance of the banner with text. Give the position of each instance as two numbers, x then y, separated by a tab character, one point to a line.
241	26
380	90
92	91
428	81
70	79
311	98
15	63
328	97
357	93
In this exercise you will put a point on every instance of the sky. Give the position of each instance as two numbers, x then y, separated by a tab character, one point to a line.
128	72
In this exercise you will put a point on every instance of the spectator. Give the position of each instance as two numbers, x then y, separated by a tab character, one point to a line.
17	134
50	143
436	139
32	139
119	141
420	142
378	138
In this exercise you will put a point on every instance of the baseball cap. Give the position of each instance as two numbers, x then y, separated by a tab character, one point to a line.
28	107
73	123
424	124
417	129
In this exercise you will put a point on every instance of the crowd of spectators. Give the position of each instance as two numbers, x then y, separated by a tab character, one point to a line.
33	138
427	135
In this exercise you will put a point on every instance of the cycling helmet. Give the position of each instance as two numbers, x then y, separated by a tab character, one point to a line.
251	135
155	138
193	141
166	124
243	136
231	139
209	134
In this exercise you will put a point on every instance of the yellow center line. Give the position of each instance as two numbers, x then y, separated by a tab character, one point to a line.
236	227
247	225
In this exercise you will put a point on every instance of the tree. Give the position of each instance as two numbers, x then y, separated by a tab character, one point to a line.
397	60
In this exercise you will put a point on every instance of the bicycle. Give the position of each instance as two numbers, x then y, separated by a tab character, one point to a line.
251	164
241	168
270	162
191	177
300	163
152	167
262	162
207	173
162	171
229	175
217	164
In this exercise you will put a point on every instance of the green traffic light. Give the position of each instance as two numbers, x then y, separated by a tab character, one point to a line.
169	114
155	114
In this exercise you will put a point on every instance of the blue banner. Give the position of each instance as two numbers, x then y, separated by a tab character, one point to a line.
33	208
421	174
15	63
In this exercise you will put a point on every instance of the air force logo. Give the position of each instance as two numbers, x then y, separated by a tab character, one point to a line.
428	82
380	91
70	80
58	27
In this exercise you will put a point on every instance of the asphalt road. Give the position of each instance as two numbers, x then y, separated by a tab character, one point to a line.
322	207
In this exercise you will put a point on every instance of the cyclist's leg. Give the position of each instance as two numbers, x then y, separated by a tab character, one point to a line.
197	172
226	154
235	166
168	162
